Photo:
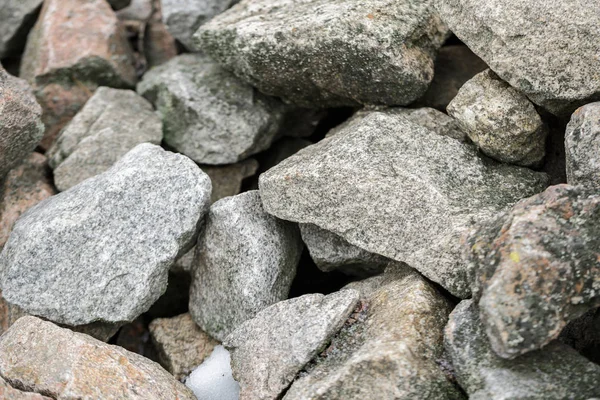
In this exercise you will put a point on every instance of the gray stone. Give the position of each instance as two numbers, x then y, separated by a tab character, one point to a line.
549	53
21	127
111	123
184	17
394	188
268	351
119	4
454	66
582	145
499	120
245	261
331	252
18	17
555	373
101	250
227	179
320	53
41	357
386	350
537	267
209	114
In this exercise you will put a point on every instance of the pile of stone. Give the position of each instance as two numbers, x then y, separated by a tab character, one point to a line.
316	199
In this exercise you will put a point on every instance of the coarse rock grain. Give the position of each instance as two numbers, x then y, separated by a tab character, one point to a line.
582	145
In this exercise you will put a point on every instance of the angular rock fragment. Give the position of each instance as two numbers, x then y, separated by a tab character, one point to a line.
44	358
209	114
320	53
245	261
394	188
101	250
582	144
7	392
213	380
548	53
537	267
181	344
389	349
268	351
499	120
74	47
555	373
227	179
20	125
110	124
330	252
17	16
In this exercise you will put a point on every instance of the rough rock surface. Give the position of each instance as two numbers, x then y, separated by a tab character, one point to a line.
181	344
7	392
549	53
184	17
24	187
20	125
320	53
268	351
394	188
388	349
17	16
582	144
538	267
101	250
330	252
555	373
245	261
499	120
227	179
454	65
43	358
110	124
74	47
209	114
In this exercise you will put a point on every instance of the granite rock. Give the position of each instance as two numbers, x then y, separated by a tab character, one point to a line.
17	16
268	351
537	267
245	261
548	53
43	358
499	120
7	392
111	123
101	251
582	145
320	53
555	373
181	344
394	188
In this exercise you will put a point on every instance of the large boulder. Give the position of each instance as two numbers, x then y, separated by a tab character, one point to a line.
395	188
17	16
582	146
320	53
549	53
101	250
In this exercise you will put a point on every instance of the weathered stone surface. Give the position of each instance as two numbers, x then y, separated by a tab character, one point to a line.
7	392
24	187
20	125
388	349
320	53
119	4
268	351
392	187
209	114
538	267
101	250
227	179
184	17
74	47
454	65
555	373
549	53
43	358
17	16
181	344
582	145
499	120
110	124
245	261
330	252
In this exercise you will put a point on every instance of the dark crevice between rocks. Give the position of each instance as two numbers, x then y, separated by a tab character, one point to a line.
334	117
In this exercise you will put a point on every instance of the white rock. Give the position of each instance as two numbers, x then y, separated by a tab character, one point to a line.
213	380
